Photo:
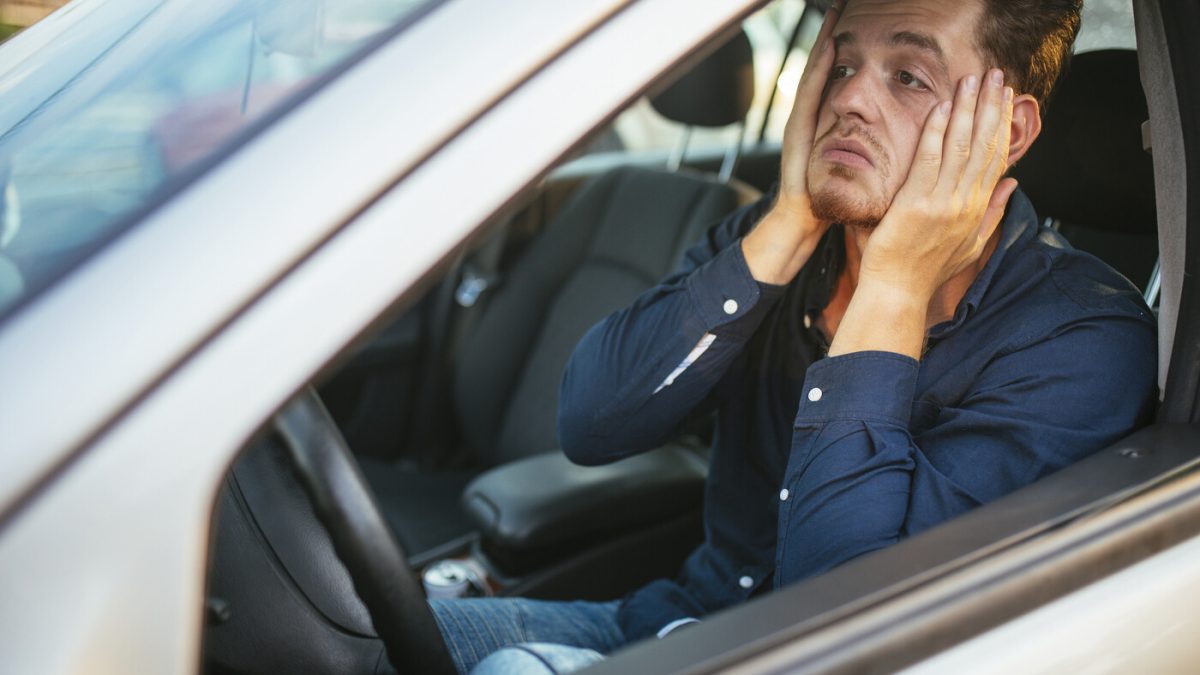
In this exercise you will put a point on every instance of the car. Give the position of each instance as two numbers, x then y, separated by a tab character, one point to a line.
221	219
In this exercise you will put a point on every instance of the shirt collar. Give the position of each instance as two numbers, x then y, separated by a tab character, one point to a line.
1019	224
820	280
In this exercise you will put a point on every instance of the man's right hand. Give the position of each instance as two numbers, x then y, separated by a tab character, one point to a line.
785	238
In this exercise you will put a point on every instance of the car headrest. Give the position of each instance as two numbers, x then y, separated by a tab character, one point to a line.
716	92
1088	167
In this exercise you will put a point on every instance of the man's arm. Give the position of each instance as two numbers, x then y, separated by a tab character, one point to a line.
785	239
858	481
634	377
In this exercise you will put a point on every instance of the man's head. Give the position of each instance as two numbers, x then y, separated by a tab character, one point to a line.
897	59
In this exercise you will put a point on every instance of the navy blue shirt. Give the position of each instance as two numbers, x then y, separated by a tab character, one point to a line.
1049	357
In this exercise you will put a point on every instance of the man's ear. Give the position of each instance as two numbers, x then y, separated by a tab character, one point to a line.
1026	125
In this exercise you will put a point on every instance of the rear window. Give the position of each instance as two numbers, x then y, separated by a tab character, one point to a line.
1106	24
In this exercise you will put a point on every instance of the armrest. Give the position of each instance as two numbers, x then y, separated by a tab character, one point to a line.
546	500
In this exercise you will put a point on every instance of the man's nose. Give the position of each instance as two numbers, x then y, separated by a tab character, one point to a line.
856	96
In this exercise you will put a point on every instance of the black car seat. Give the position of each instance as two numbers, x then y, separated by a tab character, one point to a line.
618	235
1088	170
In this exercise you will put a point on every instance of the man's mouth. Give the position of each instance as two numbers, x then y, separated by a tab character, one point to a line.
848	152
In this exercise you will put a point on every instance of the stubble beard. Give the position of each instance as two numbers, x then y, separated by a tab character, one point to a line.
832	205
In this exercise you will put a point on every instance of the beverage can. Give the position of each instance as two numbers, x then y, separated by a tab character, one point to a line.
447	579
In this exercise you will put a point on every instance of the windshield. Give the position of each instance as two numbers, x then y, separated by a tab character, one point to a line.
113	101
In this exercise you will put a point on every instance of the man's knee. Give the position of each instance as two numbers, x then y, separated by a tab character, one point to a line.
537	658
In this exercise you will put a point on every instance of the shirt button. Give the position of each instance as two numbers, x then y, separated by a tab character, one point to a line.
814	394
730	306
807	321
784	494
745	582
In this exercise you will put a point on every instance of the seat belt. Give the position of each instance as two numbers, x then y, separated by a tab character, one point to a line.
1154	285
455	309
480	276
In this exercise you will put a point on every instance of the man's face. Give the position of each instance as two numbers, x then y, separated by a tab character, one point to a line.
895	60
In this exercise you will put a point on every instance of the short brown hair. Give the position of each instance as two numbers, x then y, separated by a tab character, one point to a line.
1030	40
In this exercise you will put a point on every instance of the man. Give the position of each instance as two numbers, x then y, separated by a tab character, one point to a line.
888	338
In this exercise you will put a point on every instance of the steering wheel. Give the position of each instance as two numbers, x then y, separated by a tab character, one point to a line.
361	537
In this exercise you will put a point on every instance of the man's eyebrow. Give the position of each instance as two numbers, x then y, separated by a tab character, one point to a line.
843	38
923	42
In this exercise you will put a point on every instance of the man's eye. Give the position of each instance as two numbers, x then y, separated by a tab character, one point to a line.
841	72
909	80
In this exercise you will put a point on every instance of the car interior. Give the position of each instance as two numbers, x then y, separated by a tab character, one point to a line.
499	490
434	441
594	255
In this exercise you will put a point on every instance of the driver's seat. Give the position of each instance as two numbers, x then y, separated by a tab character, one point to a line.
1088	172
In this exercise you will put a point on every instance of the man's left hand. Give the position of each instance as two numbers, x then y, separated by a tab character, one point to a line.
938	224
954	197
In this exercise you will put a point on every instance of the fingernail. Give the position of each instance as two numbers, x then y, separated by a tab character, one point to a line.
1008	94
997	77
972	84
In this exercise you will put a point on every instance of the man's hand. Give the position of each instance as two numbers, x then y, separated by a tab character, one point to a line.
938	224
953	198
785	238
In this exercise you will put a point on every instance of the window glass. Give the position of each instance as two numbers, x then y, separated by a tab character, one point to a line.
641	129
1107	24
142	94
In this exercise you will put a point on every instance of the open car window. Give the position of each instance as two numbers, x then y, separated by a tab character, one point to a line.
378	429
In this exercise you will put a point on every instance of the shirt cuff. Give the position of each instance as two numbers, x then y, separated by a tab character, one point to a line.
867	386
729	300
678	623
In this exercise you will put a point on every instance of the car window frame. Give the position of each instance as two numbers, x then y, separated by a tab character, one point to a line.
140	431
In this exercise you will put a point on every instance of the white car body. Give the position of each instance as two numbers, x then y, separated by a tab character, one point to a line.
130	385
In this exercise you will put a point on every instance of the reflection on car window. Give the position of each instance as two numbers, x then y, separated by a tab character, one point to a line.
146	90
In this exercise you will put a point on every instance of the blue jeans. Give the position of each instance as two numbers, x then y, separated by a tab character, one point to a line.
579	633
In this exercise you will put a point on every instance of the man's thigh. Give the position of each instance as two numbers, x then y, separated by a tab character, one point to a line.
476	627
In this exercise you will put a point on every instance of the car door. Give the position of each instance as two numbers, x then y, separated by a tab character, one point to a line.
132	380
